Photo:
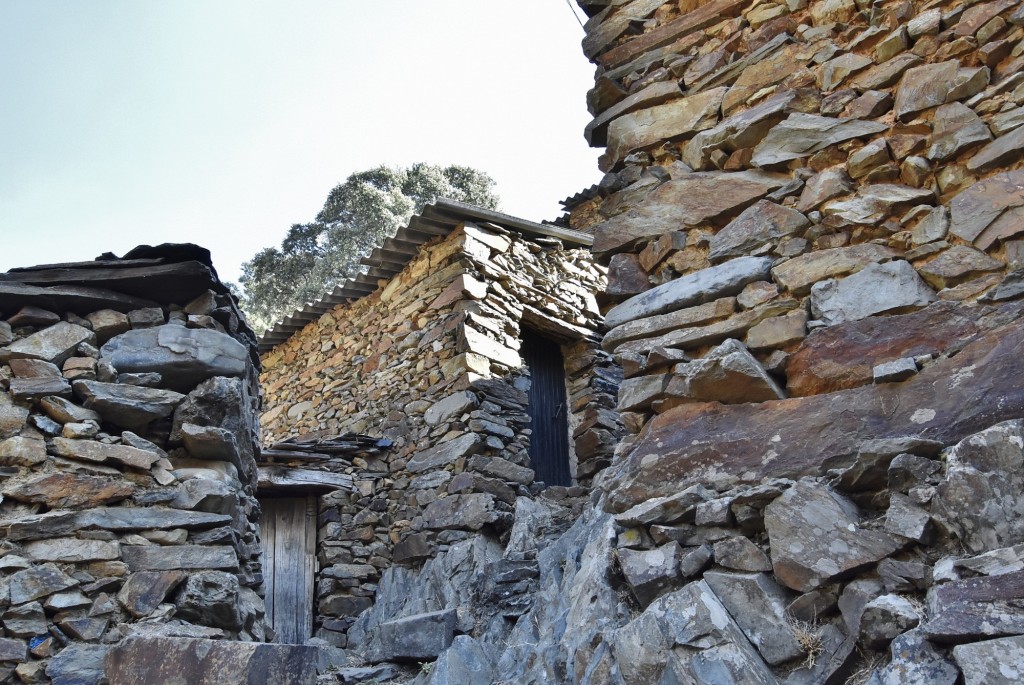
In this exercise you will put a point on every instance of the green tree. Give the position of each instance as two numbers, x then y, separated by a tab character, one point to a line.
358	216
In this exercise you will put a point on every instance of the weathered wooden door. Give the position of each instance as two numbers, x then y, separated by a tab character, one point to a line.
549	442
288	531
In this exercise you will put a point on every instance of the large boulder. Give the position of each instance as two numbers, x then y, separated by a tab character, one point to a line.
816	537
225	406
182	356
949	400
210	598
982	497
180	660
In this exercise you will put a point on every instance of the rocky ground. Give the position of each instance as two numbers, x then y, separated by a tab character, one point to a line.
885	571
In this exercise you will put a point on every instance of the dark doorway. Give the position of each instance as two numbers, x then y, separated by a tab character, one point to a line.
549	442
288	533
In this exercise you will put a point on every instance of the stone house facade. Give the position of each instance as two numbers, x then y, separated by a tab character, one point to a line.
472	336
129	403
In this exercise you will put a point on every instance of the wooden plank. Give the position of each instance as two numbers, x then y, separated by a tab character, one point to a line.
268	532
310	569
698	19
289	563
284	478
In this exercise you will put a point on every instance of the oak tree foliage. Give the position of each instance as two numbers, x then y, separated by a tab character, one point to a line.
358	216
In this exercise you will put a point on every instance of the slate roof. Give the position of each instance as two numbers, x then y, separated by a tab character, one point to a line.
437	219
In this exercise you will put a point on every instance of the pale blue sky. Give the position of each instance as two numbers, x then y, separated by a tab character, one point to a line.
222	122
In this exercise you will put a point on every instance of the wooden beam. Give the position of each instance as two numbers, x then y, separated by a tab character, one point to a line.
283	478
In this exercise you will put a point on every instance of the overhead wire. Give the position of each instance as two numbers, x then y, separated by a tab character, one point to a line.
573	10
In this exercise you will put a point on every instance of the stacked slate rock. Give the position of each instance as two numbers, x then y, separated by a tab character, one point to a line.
128	437
812	220
782	174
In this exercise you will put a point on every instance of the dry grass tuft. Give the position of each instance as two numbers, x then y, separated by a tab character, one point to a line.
808	635
863	674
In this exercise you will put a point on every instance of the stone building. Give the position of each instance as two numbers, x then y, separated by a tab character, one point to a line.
471	346
811	217
128	440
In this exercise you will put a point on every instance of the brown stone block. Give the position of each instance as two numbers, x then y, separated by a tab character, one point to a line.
724	445
841	357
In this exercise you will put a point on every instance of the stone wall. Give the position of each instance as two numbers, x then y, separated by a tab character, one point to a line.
811	166
128	409
430	362
812	219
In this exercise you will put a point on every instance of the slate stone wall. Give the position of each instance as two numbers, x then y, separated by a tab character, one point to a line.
128	435
430	361
812	223
780	169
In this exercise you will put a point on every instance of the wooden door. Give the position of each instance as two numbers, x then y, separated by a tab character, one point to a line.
549	441
288	531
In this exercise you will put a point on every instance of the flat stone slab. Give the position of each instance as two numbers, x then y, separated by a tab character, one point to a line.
733	444
801	135
182	356
761	223
799	274
976	608
993	662
695	288
413	638
54	344
815	537
692	200
209	662
653	125
102	453
173	557
990	210
877	289
842	356
128	406
78	299
444	453
117	519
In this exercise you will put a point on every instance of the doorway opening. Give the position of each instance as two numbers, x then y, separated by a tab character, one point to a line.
548	409
288	532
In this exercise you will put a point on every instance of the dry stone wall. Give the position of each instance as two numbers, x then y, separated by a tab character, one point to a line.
810	219
812	223
431	363
128	435
809	165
